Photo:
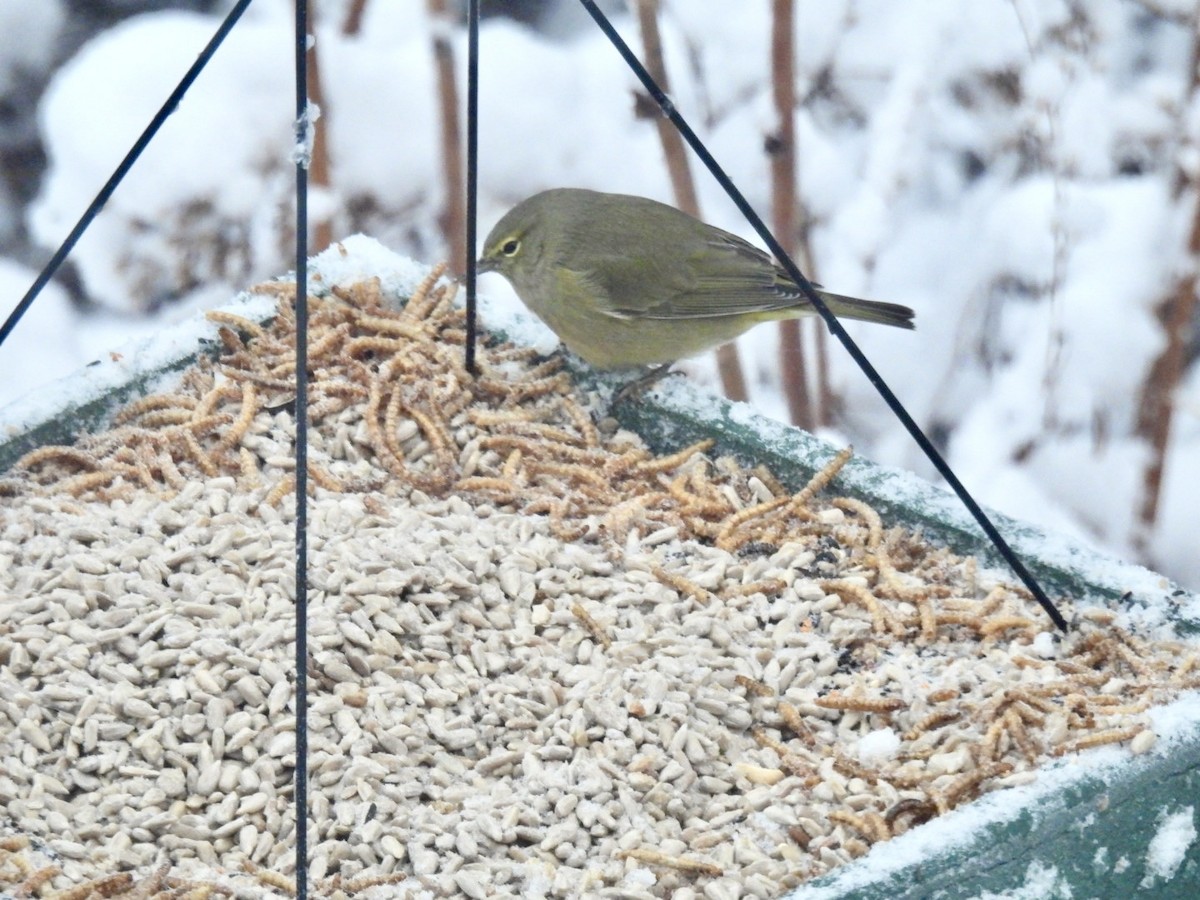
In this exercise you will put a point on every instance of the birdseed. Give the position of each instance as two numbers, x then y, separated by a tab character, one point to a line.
544	662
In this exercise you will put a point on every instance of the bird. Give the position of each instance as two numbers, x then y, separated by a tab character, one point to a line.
627	282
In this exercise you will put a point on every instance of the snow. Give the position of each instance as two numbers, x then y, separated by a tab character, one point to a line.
302	150
1006	168
30	31
878	746
56	350
639	879
1042	882
361	258
1043	645
1169	846
126	360
44	347
209	179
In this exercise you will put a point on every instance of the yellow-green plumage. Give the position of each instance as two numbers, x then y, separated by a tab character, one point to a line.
626	281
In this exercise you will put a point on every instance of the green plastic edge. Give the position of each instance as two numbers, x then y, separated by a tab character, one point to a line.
1093	832
92	414
97	402
1068	828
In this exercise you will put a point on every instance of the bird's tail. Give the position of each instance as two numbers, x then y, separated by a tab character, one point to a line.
868	310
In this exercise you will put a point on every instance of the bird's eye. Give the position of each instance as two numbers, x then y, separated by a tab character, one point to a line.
510	247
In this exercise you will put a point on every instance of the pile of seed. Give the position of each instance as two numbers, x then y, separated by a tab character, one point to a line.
543	662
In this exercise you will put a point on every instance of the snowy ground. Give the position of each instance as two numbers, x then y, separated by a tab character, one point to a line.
1005	167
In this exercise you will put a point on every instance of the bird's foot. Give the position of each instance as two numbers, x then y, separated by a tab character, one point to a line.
642	383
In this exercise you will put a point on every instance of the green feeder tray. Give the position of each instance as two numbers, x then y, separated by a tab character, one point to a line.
1100	824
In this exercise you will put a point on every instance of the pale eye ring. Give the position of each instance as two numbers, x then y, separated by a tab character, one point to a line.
510	247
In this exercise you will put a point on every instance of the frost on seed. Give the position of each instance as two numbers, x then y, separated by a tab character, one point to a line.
139	709
282	744
1143	742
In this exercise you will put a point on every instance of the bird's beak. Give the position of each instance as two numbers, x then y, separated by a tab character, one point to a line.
485	264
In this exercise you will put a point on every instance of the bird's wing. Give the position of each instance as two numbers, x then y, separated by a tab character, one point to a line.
720	276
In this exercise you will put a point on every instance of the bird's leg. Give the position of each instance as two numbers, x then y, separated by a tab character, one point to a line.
642	383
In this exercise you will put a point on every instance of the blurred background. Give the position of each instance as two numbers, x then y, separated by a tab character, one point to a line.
1020	172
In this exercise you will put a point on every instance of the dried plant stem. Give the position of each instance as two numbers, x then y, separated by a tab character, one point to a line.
807	408
682	184
1156	408
318	168
1176	312
733	381
354	17
453	218
781	148
825	398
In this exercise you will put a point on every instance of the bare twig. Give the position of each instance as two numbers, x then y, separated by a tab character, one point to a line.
732	379
825	399
354	17
682	184
781	148
1176	312
454	216
729	364
318	167
791	226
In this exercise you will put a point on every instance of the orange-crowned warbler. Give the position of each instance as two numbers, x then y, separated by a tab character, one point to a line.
628	282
